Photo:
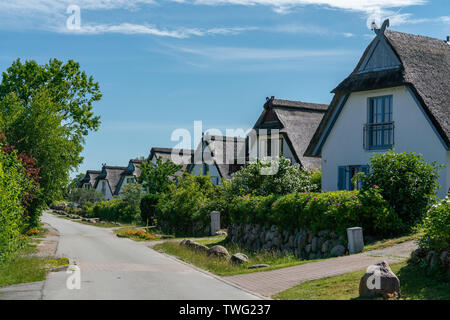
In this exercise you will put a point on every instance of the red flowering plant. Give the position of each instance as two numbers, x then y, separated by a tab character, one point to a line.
30	169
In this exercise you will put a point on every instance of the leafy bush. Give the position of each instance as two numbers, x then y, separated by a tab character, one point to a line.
156	177
436	227
87	210
316	180
184	208
271	176
319	211
13	185
406	181
148	208
108	210
131	194
81	196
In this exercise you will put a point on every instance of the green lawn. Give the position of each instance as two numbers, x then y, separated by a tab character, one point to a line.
23	268
415	284
225	268
390	242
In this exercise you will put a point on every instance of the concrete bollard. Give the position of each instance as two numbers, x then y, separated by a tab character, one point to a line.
355	240
215	222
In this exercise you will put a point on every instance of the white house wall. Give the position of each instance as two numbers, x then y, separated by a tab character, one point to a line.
197	170
124	183
287	152
108	195
412	133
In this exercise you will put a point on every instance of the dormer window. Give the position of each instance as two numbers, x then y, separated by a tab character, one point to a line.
379	130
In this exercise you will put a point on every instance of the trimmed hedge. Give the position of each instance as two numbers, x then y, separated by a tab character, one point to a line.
109	210
319	211
13	185
436	227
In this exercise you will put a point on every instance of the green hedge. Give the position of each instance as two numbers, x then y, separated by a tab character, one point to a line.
184	209
319	211
112	210
436	227
13	184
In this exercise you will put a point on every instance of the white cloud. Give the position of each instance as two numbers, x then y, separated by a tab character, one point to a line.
128	28
51	6
367	6
406	18
375	10
243	54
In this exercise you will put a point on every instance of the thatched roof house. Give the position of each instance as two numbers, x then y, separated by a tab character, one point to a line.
89	179
398	96
129	175
108	180
297	122
218	156
421	63
166	154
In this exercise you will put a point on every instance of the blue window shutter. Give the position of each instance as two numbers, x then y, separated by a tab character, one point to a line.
365	169
341	178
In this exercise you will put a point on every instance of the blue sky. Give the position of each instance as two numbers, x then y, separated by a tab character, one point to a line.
162	64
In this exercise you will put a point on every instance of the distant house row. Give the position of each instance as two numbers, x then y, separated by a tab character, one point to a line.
220	156
397	97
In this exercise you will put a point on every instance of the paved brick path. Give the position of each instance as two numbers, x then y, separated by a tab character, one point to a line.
268	283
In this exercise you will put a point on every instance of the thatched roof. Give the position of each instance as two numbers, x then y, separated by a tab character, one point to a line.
112	174
224	151
425	68
133	168
90	177
165	154
299	120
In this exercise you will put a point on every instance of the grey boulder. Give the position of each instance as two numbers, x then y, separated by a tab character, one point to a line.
218	251
379	280
239	258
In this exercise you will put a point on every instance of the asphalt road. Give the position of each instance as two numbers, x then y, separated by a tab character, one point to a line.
118	268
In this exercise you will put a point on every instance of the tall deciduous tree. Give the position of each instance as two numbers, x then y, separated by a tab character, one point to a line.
48	108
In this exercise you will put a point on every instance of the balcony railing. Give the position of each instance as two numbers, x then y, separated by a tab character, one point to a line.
378	136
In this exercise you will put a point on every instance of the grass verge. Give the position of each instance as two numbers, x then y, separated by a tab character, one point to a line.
390	242
23	268
416	284
224	267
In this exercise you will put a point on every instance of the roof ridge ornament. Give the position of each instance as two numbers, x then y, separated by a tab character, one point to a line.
269	101
380	31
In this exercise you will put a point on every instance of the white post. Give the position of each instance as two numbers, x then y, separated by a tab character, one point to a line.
355	240
215	222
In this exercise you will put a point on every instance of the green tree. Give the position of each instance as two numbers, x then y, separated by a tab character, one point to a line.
48	109
286	178
156	177
185	207
82	196
132	194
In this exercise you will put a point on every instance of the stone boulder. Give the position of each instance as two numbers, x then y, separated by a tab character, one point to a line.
337	251
239	258
218	251
379	281
194	245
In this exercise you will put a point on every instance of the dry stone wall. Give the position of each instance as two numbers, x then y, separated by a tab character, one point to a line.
304	244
